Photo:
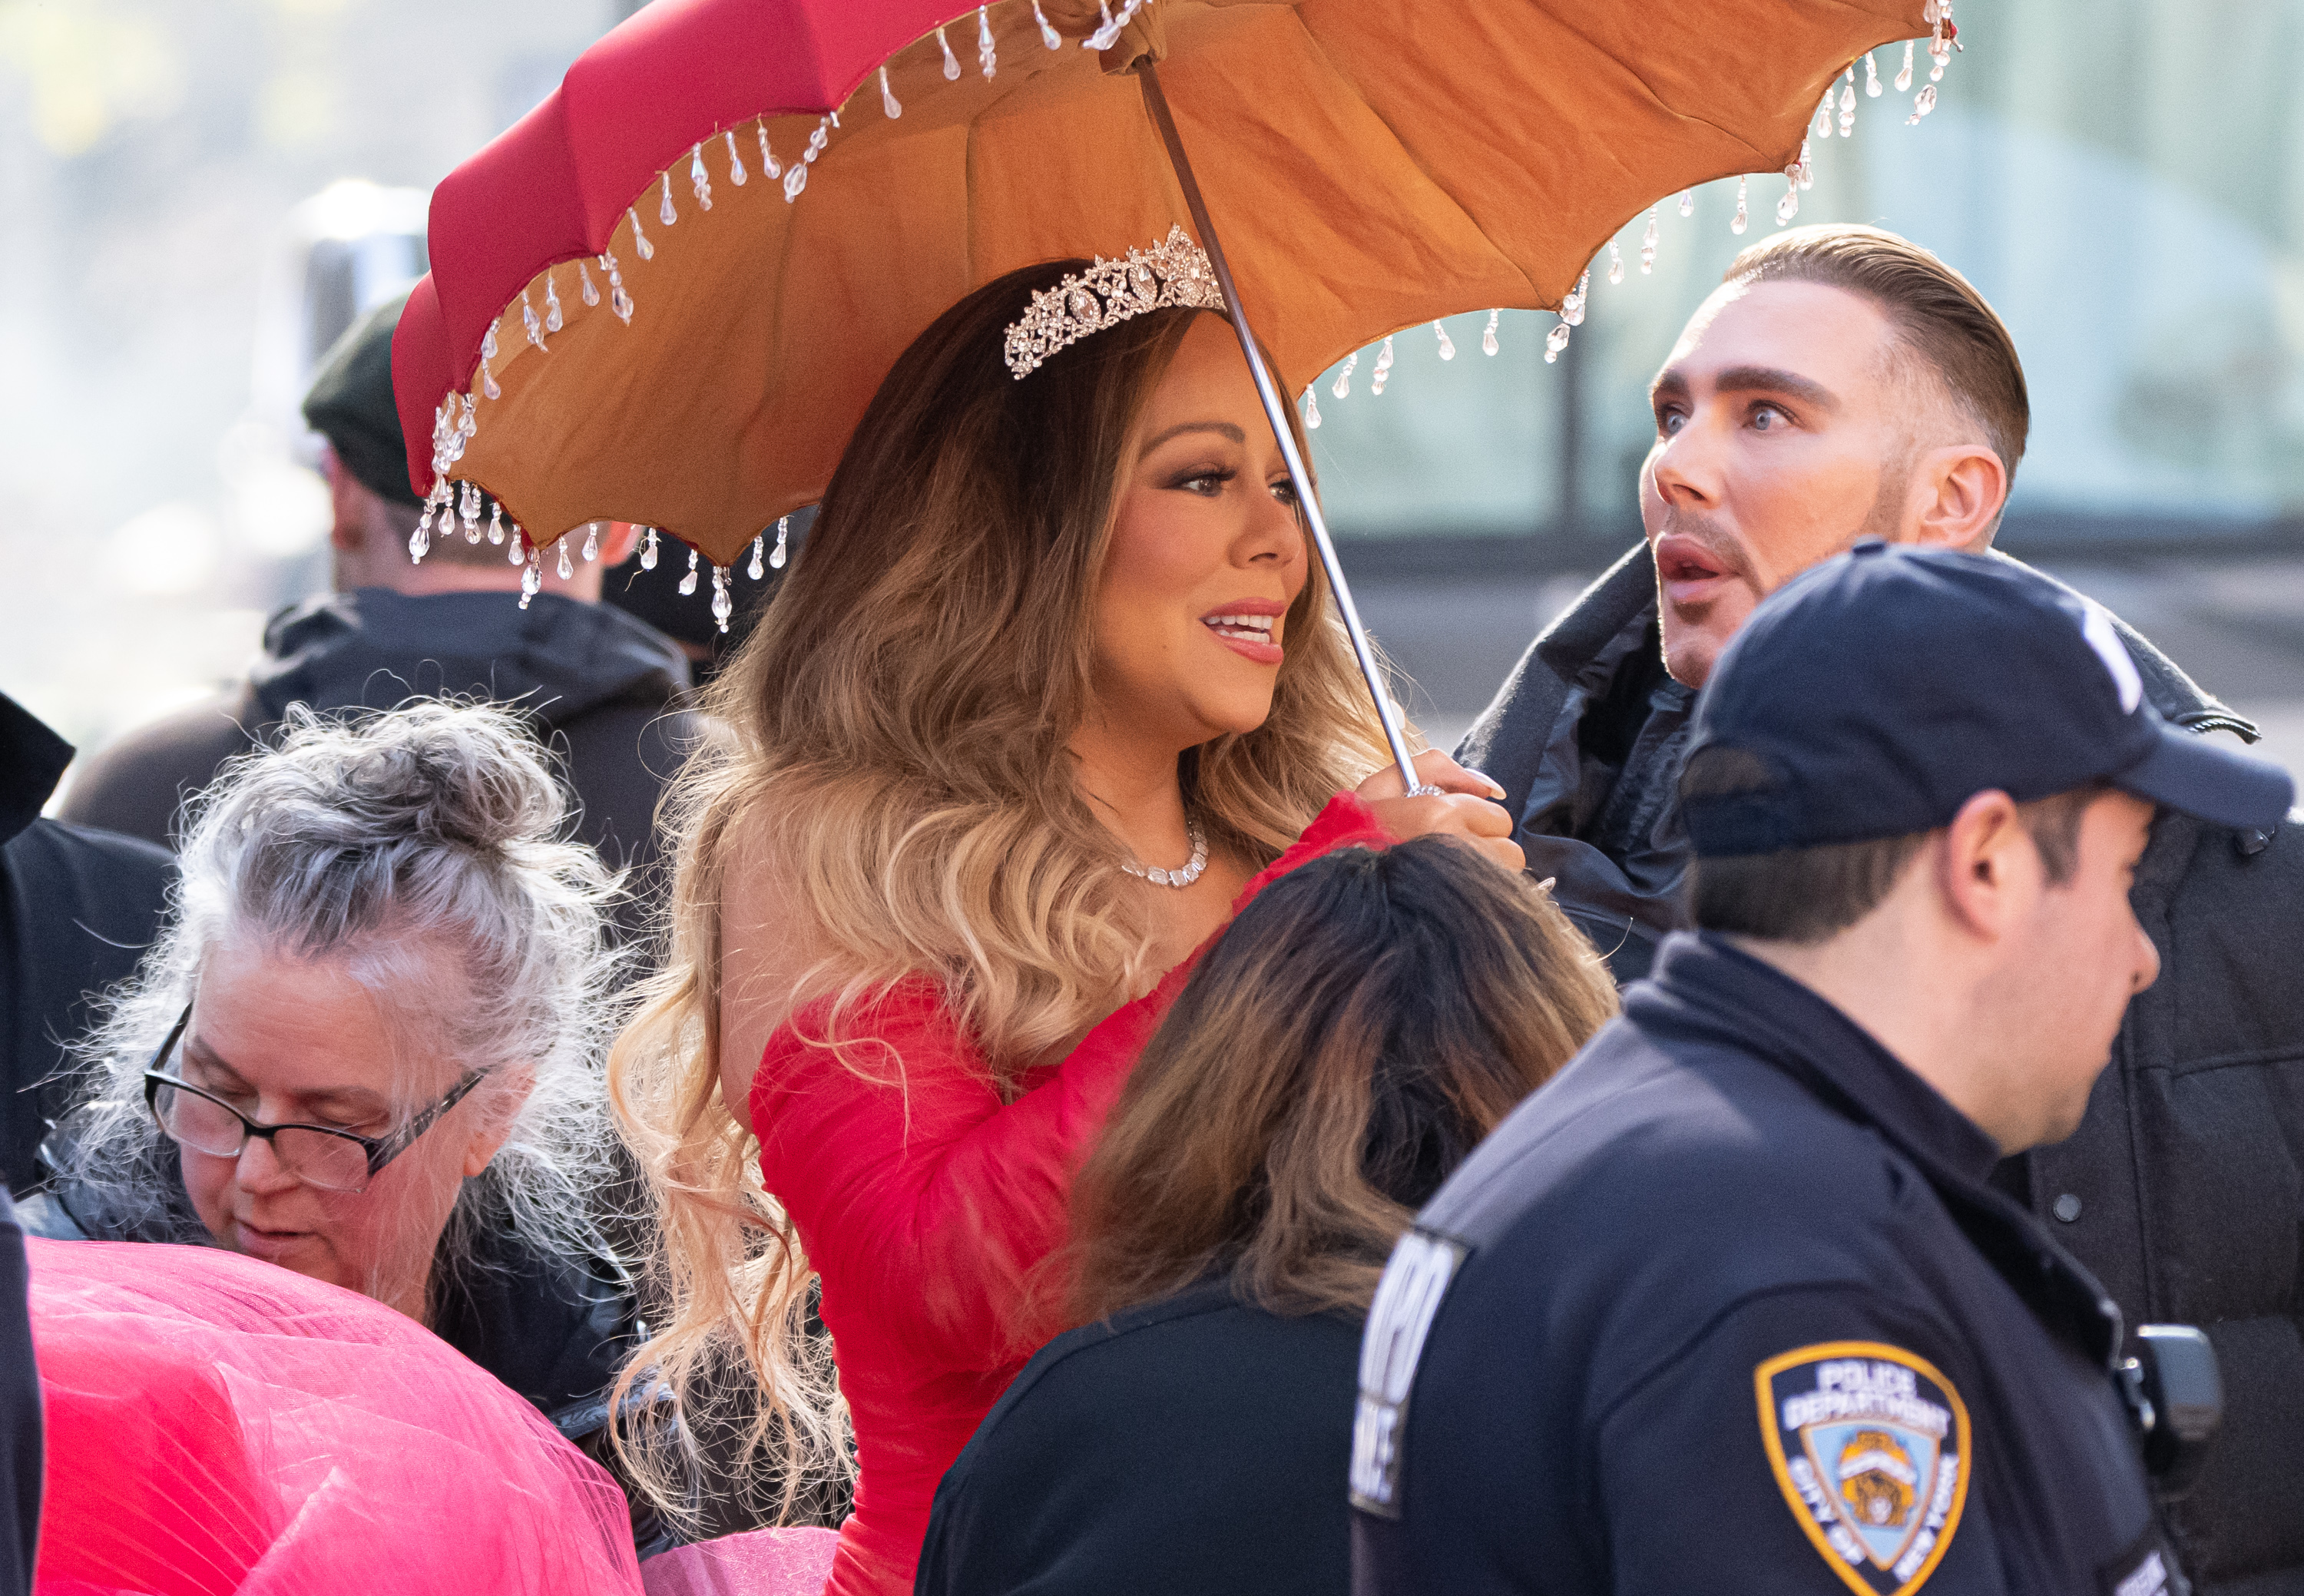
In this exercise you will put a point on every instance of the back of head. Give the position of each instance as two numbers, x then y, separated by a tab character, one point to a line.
397	843
351	404
1350	1039
1946	328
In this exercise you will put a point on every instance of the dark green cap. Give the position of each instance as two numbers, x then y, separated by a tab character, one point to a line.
352	406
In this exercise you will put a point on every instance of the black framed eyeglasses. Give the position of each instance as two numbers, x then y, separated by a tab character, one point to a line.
333	1161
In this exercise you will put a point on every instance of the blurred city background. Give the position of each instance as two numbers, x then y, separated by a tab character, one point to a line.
199	196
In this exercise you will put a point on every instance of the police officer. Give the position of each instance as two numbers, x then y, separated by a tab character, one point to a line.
1728	1306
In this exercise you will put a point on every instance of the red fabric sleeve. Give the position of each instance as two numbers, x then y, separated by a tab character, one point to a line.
923	1201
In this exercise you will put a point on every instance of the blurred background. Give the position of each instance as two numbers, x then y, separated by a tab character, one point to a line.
200	197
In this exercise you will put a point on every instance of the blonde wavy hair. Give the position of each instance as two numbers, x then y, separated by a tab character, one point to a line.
893	741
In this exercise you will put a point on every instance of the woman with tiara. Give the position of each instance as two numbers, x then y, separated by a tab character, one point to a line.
1053	689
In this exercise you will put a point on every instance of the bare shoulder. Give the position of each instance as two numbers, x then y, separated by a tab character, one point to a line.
766	941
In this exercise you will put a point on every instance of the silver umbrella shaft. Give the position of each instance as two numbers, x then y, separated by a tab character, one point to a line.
1275	409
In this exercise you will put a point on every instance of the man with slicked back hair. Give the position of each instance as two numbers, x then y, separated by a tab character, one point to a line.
1841	383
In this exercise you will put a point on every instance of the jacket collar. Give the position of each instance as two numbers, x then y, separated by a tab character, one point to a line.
1789	1025
1701	983
1509	739
32	760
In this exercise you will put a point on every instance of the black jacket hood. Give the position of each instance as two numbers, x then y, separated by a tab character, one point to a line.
1606	830
558	660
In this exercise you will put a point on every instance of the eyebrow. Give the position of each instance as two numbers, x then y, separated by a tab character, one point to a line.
355	1103
1749	379
1223	429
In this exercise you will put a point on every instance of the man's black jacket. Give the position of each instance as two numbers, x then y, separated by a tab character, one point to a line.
603	689
2184	1189
77	909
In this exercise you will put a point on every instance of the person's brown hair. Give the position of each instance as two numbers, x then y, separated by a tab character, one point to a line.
1347	1041
1939	317
890	747
1807	895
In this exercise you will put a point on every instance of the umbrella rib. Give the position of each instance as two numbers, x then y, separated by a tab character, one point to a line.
1268	392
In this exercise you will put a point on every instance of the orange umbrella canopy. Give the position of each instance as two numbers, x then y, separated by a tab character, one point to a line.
691	351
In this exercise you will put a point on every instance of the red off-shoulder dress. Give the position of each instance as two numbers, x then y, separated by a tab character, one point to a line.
924	1201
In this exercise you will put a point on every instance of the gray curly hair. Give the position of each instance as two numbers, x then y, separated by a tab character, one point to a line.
370	838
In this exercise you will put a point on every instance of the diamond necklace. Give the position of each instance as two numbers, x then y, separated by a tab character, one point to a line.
1189	873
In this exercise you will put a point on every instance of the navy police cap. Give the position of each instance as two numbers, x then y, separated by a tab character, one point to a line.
1875	694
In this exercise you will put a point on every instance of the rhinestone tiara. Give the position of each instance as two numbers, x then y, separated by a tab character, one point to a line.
1173	272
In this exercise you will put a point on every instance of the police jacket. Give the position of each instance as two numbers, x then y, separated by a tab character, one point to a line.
1728	1306
2182	1190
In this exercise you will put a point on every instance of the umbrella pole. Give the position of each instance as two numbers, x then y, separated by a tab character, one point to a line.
1276	410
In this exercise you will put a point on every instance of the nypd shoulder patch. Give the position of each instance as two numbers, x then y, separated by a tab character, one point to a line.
1870	1446
1414	1280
